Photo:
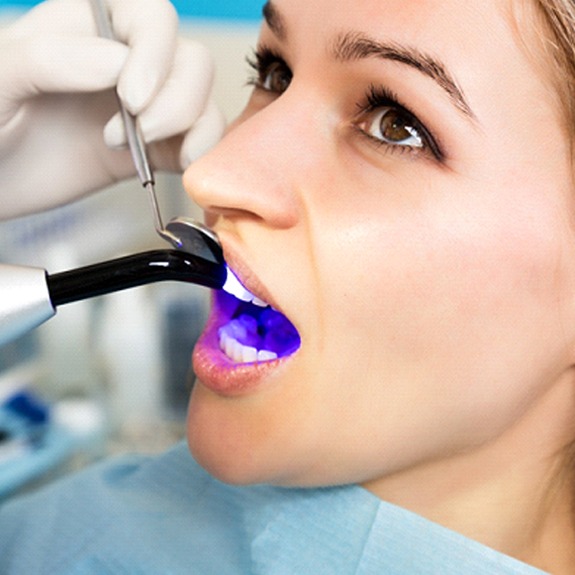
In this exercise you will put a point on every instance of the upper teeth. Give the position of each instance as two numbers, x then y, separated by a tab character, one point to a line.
235	288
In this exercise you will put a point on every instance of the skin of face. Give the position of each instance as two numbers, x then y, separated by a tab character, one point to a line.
434	296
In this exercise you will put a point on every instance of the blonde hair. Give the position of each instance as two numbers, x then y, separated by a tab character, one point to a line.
558	37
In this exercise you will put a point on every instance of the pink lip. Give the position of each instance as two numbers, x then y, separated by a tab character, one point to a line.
247	278
219	374
212	367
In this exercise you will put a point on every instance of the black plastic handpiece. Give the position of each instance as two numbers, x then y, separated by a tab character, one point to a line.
132	271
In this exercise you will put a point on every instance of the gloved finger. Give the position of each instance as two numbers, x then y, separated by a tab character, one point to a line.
178	152
181	100
183	96
115	133
56	64
150	30
203	136
58	17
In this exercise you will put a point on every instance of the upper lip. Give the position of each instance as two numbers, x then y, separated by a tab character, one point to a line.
247	277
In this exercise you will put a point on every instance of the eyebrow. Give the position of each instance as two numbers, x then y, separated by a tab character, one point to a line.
274	20
351	46
356	46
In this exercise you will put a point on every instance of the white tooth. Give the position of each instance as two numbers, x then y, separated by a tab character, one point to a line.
249	354
222	340
265	355
236	329
243	353
229	347
237	351
245	295
234	287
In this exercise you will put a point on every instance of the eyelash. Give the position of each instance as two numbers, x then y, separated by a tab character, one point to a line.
261	62
377	98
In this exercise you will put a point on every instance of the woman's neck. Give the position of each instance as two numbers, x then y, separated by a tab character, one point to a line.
511	494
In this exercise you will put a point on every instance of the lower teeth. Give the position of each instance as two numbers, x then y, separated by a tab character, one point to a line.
243	353
258	336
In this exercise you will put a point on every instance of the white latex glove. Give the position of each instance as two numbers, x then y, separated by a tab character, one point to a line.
58	111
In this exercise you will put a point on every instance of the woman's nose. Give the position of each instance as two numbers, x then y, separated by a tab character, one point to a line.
254	171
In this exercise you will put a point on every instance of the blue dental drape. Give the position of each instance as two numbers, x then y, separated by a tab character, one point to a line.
165	515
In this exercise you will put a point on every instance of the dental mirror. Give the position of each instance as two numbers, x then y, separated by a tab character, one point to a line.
195	238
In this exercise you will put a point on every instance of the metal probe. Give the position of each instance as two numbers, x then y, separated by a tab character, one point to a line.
135	141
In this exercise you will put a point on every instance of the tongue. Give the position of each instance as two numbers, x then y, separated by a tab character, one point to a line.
278	332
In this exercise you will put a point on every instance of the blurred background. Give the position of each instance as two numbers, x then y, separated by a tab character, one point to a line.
112	374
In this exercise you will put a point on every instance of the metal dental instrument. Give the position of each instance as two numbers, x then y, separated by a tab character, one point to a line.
183	233
135	140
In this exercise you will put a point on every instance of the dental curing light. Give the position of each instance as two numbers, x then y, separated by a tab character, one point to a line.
29	296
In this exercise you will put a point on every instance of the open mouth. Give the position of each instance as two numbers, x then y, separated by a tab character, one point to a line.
255	331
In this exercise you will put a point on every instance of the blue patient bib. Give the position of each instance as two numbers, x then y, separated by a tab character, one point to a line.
164	515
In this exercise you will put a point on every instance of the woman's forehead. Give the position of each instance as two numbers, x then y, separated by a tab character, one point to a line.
436	24
471	44
286	14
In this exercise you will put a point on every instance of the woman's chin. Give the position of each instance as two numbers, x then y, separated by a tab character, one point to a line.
239	444
219	440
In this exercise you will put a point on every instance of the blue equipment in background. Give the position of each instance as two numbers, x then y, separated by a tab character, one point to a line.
248	10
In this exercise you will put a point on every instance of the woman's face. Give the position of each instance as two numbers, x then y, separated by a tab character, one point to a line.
399	187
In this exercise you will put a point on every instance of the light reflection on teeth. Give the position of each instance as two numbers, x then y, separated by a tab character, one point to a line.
235	288
243	353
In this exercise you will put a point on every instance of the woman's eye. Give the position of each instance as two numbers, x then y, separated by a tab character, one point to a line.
386	122
395	127
272	74
276	78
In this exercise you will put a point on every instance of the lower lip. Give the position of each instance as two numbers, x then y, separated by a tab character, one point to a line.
223	376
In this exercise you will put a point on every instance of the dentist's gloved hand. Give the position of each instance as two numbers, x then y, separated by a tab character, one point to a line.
59	125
